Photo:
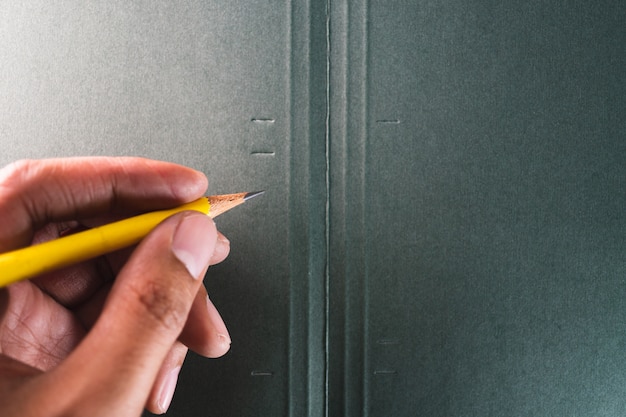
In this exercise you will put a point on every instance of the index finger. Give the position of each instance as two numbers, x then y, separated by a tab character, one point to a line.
36	192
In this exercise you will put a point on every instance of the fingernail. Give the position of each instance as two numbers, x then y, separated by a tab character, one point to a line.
222	248
224	339
222	240
193	243
167	391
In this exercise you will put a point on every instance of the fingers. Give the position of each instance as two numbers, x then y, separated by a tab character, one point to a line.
13	372
74	285
77	283
167	378
144	314
33	193
156	292
205	332
222	249
34	329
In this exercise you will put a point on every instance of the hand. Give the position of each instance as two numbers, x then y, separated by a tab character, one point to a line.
108	336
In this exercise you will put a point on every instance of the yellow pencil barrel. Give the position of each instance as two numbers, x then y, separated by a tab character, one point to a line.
37	259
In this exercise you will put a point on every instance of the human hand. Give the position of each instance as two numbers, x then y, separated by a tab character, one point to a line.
107	336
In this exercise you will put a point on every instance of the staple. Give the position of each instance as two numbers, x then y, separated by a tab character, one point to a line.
262	120
263	153
388	341
385	372
262	373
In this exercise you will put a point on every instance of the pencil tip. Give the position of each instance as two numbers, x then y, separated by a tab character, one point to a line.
252	194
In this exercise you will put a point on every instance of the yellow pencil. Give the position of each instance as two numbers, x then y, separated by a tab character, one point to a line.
34	260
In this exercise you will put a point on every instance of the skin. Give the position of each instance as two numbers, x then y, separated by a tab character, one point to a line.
108	336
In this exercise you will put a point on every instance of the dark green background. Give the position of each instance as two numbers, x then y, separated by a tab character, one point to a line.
443	232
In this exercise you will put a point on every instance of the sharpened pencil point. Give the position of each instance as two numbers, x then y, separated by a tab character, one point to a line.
253	194
224	202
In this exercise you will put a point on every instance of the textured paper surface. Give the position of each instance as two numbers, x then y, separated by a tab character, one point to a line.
471	258
482	249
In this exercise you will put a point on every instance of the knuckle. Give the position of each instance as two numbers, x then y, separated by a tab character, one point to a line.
162	304
17	172
19	182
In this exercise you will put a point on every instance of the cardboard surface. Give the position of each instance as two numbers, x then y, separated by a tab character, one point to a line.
479	267
471	258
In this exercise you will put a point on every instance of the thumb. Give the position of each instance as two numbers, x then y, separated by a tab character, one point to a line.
117	363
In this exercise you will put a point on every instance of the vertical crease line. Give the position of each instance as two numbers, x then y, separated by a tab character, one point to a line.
289	151
327	218
365	134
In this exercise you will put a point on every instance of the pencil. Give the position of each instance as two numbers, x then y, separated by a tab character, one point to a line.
34	260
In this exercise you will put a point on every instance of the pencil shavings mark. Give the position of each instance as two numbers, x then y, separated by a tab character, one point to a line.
263	153
388	121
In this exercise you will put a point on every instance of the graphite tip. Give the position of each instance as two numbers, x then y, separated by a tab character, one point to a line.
252	194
